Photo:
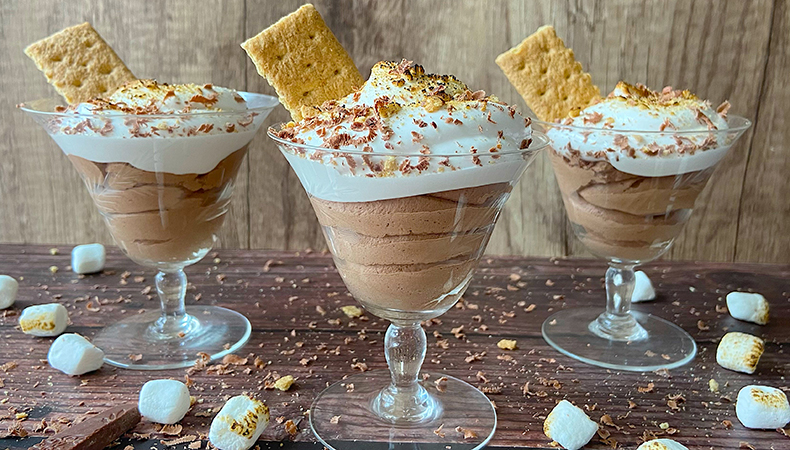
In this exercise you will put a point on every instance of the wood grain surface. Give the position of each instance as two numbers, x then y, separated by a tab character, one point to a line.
319	345
736	50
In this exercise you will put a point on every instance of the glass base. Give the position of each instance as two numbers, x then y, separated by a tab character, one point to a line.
667	345
342	416
134	343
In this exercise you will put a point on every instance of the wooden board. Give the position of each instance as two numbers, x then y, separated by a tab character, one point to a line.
282	304
735	50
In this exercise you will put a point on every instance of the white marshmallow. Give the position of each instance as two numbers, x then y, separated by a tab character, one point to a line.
164	401
239	423
569	426
748	307
739	352
49	319
643	288
762	407
662	444
72	354
88	258
8	289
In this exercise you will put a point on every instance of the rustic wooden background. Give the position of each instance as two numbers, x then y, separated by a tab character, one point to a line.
737	50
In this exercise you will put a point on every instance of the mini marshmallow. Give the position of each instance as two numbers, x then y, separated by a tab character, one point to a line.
49	319
88	258
569	426
8	289
739	352
762	407
164	401
748	307
72	354
662	444
643	288
239	423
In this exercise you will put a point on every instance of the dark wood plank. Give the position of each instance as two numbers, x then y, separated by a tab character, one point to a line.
281	303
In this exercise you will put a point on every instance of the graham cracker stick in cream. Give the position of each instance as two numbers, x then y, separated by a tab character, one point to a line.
301	58
547	76
79	63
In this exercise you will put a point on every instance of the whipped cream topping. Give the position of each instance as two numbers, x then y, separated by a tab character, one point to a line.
647	133
180	129
402	124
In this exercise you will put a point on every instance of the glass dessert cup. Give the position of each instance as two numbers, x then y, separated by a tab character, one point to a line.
407	253
628	211
164	199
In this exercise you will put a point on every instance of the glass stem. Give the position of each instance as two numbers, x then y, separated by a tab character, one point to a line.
172	288
617	323
405	400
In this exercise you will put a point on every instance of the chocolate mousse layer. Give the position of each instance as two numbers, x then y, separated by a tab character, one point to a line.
411	254
157	218
623	216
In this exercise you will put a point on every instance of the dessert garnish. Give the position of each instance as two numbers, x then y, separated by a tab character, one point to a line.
79	63
548	77
164	401
569	426
8	289
73	355
301	58
740	352
762	407
47	320
747	306
239	423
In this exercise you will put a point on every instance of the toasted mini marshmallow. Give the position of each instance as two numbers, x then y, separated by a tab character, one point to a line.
643	288
49	319
164	401
72	354
762	407
739	352
8	288
569	426
239	423
748	307
88	258
662	444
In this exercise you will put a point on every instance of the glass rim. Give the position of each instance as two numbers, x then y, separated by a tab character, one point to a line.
539	142
30	108
738	128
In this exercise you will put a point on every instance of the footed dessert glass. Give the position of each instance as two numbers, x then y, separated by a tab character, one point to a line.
163	198
407	254
628	210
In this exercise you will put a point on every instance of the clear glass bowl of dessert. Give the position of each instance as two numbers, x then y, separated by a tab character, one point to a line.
406	236
163	183
628	195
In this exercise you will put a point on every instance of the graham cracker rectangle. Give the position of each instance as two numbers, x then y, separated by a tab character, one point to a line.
79	63
547	76
301	58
